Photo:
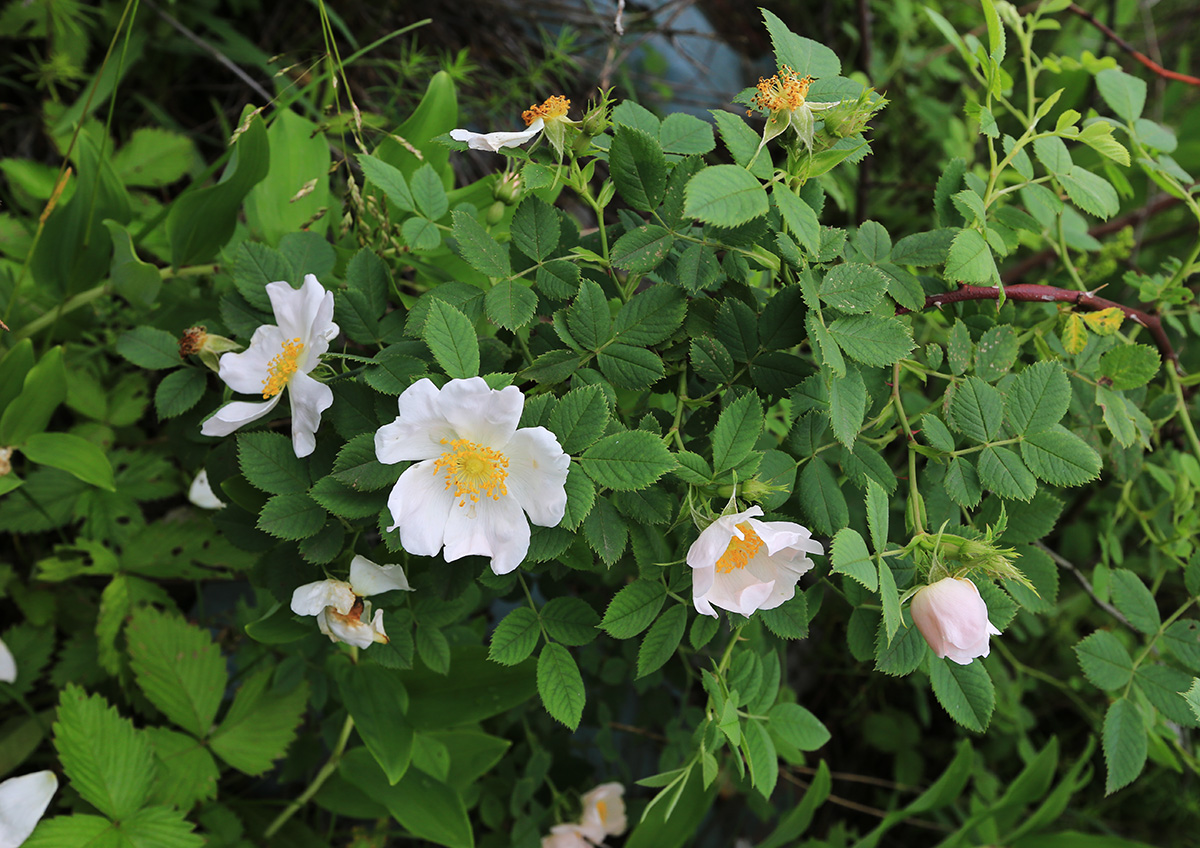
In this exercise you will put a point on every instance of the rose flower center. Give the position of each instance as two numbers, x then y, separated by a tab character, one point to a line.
554	107
783	92
472	470
740	551
282	367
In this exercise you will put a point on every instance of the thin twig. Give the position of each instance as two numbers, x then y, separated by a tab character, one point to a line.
860	778
1131	50
863	808
214	52
1034	293
1063	562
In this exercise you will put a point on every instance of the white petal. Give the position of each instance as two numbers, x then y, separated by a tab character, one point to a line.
23	801
537	474
234	414
201	494
491	528
420	505
714	539
418	430
245	372
8	664
496	140
352	631
312	598
778	535
309	399
481	414
368	579
604	807
305	313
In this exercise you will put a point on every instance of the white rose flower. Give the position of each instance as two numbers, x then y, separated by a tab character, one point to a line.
605	808
553	110
474	474
573	836
8	665
201	493
281	357
742	564
23	801
953	618
341	612
785	97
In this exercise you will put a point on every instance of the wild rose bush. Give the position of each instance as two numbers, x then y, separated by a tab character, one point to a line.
611	498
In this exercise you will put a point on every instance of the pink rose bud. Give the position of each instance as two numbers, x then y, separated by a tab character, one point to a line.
953	619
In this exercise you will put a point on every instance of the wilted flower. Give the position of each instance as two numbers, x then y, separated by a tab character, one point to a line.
605	808
573	836
23	801
550	116
201	494
474	474
5	461
8	664
281	357
784	97
341	612
742	564
208	346
953	618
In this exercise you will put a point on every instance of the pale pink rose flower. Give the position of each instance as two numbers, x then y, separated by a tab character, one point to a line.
573	836
604	807
953	619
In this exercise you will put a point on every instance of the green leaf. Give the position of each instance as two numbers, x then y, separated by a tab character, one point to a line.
300	159
588	317
1129	366
1134	600
200	222
849	556
725	195
109	763
376	699
606	531
627	461
630	367
821	499
579	418
535	227
154	157
1125	743
853	287
936	433
260	725
452	340
697	268
1052	153
1183	640
292	516
478	247
558	279
662	640
79	830
511	304
964	691
633	609
959	348
799	217
802	55
1104	660
970	259
44	388
388	178
685	135
638	167
1060	457
651	316
560	685
924	249
72	454
1164	686
137	281
877	516
571	621
268	462
977	410
186	771
737	429
643	249
962	483
357	467
1037	398
761	757
996	352
847	406
178	668
797	727
428	192
339	499
872	340
889	598
906	651
1192	696
1090	192
1124	94
178	392
1002	471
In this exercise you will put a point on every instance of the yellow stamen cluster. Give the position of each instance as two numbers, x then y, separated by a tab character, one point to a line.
555	107
282	367
740	551
602	809
473	470
783	92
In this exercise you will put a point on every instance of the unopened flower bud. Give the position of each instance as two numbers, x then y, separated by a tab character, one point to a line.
953	618
495	213
508	188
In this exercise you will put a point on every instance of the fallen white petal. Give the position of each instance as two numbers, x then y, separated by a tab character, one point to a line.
23	801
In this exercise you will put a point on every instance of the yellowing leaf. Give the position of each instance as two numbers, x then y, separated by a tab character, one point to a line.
1074	335
1105	322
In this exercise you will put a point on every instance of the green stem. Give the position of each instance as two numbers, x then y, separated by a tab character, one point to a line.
913	491
70	305
1181	410
318	781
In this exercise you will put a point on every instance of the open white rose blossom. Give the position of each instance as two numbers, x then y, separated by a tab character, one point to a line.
281	357
573	836
23	801
8	664
475	473
953	618
554	109
742	564
341	612
605	808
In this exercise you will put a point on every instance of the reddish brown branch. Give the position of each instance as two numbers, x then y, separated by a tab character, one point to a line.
1034	293
1131	50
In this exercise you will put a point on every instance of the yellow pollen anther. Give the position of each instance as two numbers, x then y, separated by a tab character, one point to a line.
473	470
783	92
282	367
602	809
740	551
554	107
